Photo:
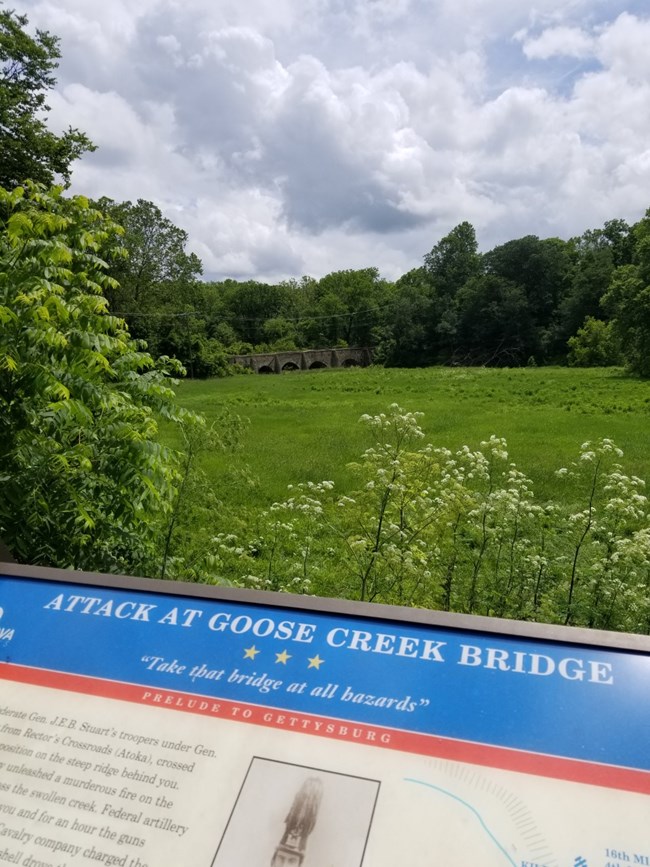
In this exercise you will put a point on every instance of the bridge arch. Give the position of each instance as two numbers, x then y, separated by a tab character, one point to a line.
308	359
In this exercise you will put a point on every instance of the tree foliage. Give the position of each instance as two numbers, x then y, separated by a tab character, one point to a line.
594	345
28	148
157	289
454	260
628	302
494	322
83	480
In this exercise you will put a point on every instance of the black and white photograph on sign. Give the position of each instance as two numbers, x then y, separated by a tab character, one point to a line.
294	816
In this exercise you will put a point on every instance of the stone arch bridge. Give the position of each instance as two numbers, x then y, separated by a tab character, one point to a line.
308	359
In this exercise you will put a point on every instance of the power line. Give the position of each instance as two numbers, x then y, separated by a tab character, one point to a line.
158	315
259	318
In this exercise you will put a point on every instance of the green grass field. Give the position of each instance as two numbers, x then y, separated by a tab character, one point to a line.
305	426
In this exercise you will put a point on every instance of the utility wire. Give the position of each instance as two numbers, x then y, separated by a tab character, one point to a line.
259	318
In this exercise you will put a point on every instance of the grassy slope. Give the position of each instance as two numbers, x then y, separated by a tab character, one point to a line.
305	426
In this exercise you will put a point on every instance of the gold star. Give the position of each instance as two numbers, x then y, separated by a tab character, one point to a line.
250	652
282	657
315	661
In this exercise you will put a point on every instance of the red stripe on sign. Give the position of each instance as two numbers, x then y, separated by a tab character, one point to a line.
537	764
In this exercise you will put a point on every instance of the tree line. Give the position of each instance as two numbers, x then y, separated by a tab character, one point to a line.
529	301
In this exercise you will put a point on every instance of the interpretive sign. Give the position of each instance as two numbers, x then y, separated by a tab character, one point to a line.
151	724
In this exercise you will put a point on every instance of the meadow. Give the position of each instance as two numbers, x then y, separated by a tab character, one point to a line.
305	426
440	512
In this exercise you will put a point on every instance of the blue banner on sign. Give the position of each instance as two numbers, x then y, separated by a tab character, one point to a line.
563	700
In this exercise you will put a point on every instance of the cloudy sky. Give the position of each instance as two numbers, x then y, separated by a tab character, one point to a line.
294	137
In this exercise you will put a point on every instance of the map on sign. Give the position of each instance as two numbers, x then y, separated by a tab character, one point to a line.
144	725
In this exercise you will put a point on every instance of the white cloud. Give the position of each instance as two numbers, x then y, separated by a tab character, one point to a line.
623	48
557	41
130	135
312	135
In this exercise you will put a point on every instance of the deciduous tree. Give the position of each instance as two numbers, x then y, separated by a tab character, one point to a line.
594	345
454	260
28	149
451	263
157	289
84	482
628	301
